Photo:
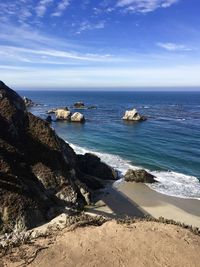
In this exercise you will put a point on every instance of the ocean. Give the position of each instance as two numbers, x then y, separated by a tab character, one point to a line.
167	144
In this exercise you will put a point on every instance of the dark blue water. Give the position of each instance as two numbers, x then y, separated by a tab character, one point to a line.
168	143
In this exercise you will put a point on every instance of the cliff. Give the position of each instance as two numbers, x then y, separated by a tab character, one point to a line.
39	172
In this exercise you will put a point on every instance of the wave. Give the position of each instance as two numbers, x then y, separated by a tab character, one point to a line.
170	183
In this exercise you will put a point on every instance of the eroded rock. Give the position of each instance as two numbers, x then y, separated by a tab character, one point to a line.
133	115
93	166
63	114
77	117
79	105
35	167
139	176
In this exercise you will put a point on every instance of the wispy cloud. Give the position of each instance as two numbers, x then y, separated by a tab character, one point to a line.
144	6
42	6
20	10
174	47
87	26
25	46
61	8
28	55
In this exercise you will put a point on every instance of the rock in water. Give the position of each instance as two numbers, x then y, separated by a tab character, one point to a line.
53	110
79	105
92	107
139	176
63	114
133	115
77	117
37	168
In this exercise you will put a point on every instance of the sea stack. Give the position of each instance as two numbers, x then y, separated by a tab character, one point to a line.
133	115
63	114
79	105
77	117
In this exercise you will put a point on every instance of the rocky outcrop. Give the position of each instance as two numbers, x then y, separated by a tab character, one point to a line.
63	114
91	165
79	105
28	102
39	172
139	176
77	117
133	115
53	110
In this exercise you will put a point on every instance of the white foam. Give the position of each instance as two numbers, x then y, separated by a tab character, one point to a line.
113	160
176	184
170	183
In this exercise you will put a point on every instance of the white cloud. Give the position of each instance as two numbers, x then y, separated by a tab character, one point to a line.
42	6
61	8
144	6
86	26
19	10
21	45
174	47
31	55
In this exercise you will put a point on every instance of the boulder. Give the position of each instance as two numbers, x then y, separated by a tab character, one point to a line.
139	176
77	117
62	114
79	105
133	115
91	165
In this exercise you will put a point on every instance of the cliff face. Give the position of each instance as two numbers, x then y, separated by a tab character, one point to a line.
38	170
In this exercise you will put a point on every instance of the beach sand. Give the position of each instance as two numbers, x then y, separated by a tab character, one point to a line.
135	199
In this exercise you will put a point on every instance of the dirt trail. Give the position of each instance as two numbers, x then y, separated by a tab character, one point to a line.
112	244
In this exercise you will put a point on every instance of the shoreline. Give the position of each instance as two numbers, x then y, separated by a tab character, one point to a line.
135	199
122	165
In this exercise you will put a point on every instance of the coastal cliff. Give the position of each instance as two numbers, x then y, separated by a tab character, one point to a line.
39	172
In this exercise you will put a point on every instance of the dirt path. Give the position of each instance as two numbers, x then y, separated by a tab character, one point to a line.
112	244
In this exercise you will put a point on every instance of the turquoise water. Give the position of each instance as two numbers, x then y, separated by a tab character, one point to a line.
167	144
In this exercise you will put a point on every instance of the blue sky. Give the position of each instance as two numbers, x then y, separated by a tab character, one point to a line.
93	43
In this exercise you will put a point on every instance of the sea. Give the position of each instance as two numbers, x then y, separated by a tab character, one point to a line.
167	144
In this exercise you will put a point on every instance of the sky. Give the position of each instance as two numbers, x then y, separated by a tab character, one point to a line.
100	43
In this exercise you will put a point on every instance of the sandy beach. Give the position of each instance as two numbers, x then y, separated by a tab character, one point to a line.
135	199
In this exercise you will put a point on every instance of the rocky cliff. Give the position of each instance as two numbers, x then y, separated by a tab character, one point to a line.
39	172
